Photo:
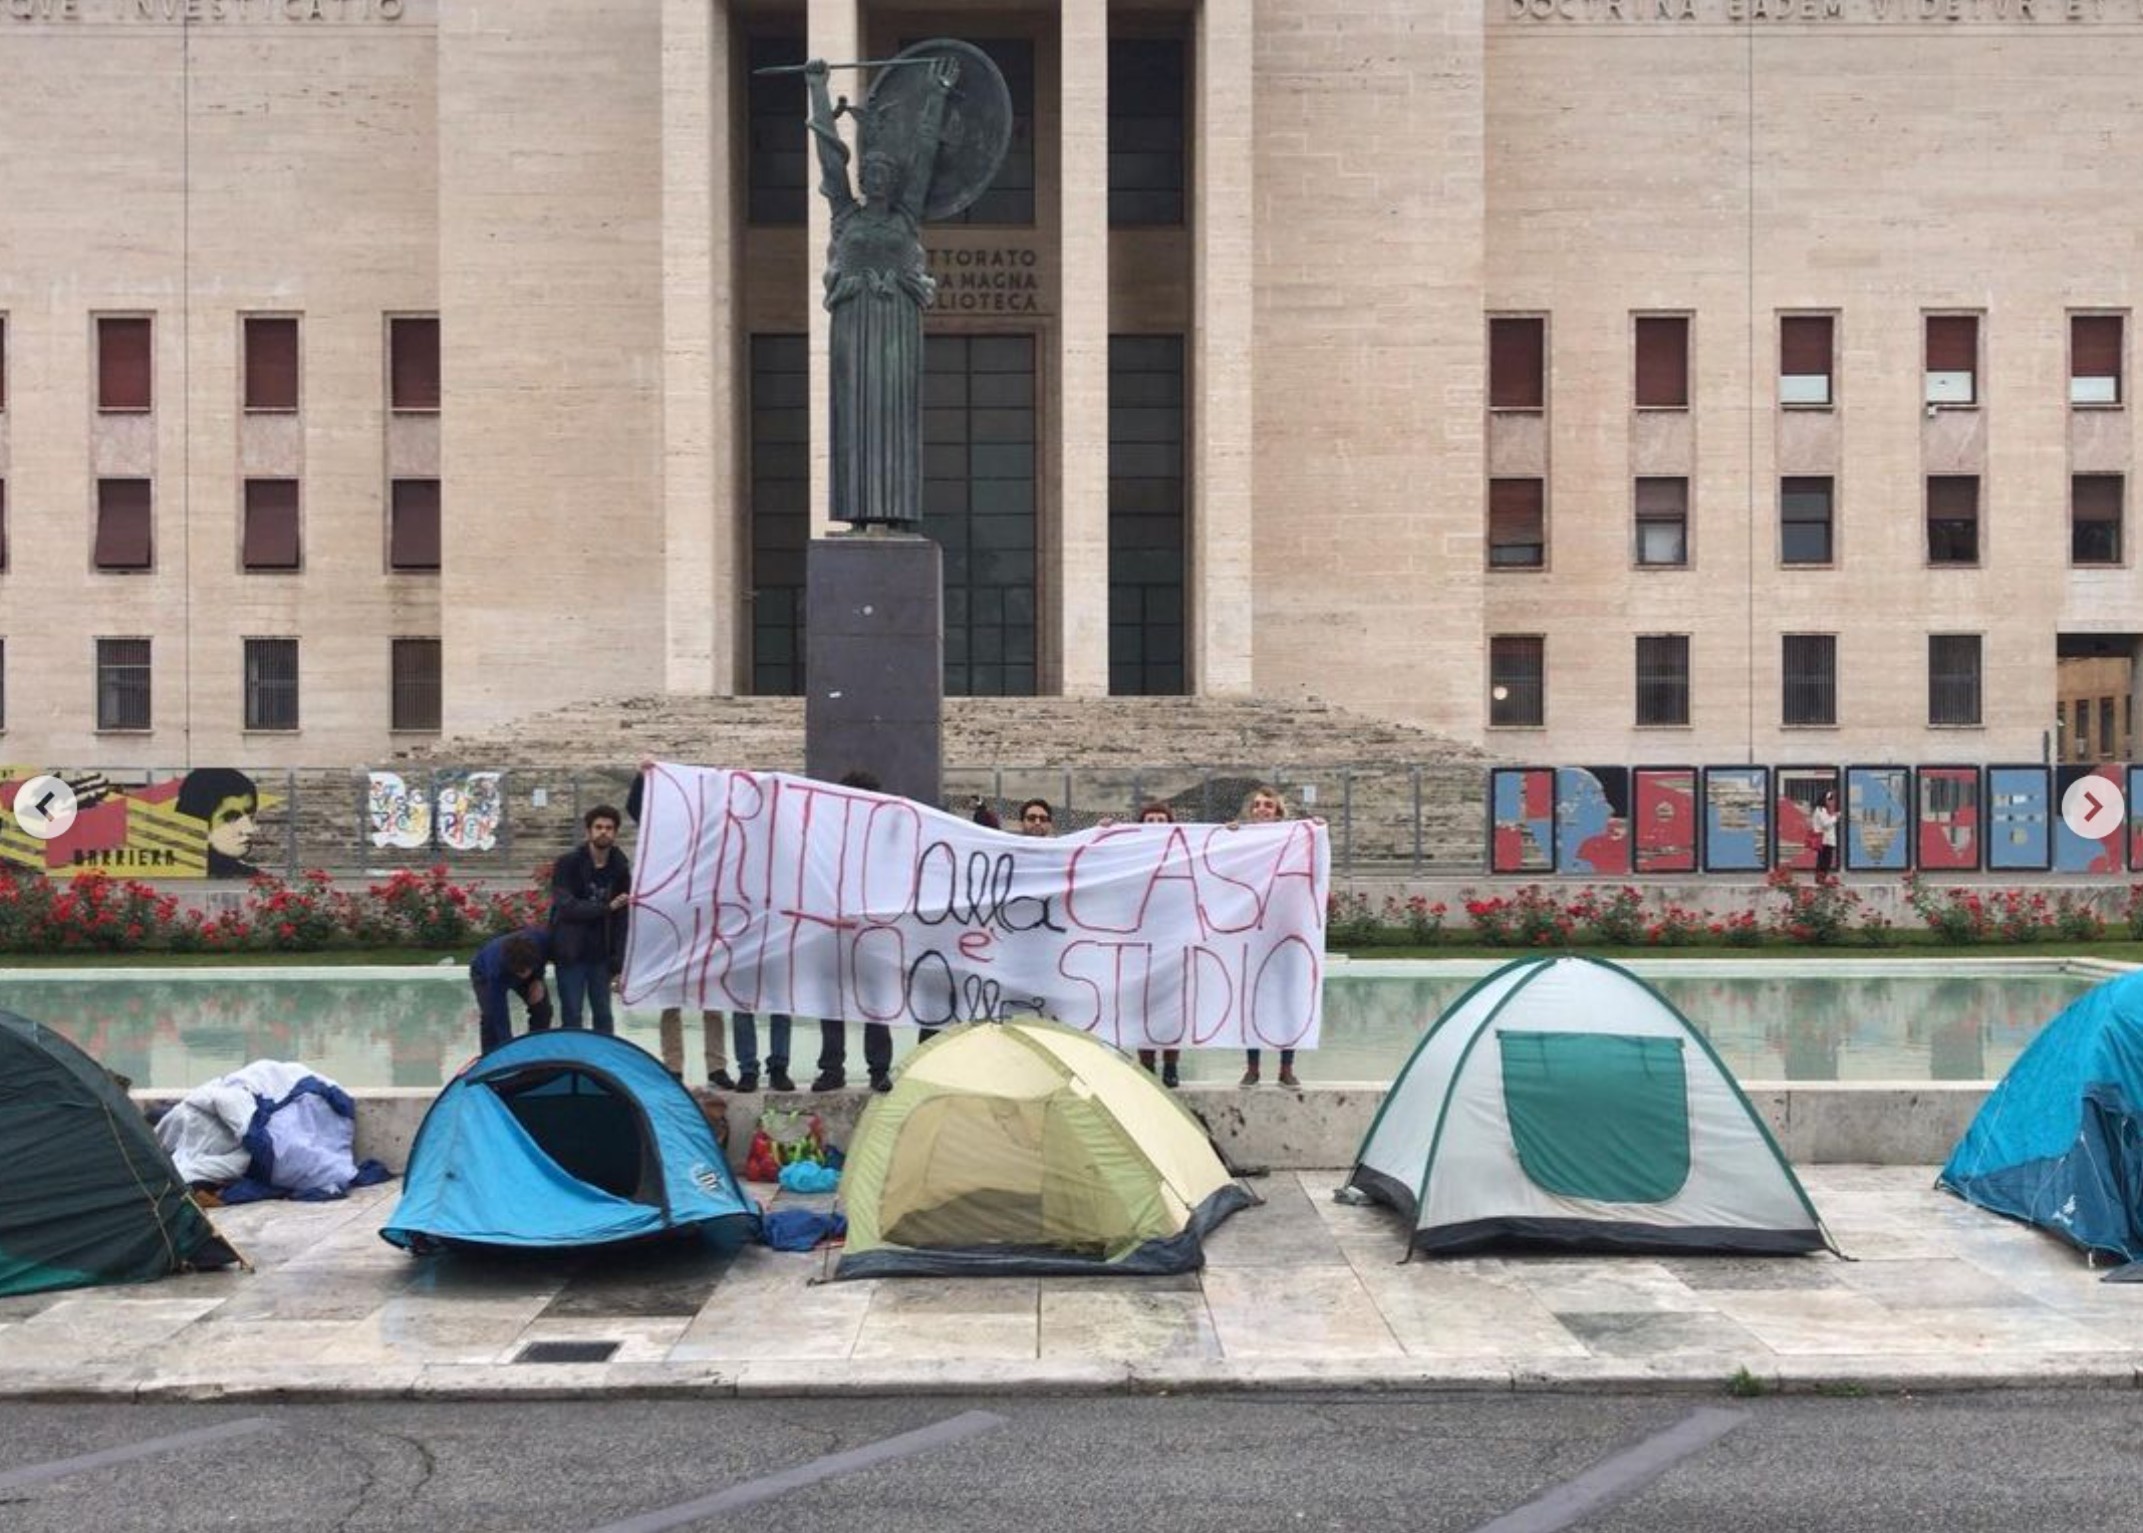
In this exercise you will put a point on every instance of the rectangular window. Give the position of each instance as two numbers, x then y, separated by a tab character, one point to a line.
271	362
2081	733
124	521
981	433
1809	676
780	486
415	703
2095	518
270	539
1952	359
1952	518
122	683
1518	363
413	525
777	163
2105	729
1805	518
1953	678
1662	362
1517	523
271	683
1662	521
413	363
1146	521
1662	678
125	363
1517	680
1147	114
1806	347
2095	359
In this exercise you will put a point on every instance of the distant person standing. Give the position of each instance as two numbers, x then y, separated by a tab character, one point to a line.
591	887
1264	806
1158	813
510	965
1823	831
833	1031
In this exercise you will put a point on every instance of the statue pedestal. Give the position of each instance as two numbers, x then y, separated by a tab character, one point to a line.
874	661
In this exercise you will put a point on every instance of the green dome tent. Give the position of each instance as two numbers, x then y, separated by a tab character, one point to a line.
1565	1103
90	1196
1028	1147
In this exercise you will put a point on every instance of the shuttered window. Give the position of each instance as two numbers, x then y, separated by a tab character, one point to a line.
124	521
1517	523
2095	518
271	527
1662	521
125	363
1809	677
1517	364
1517	680
413	525
1953	678
415	701
271	362
123	684
1953	519
413	363
1806	346
2095	359
1952	359
271	683
1662	678
1662	362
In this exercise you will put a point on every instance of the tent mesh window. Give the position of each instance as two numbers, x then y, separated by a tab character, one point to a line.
1598	1116
591	1130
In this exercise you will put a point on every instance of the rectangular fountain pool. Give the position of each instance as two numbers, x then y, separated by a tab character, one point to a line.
1799	1019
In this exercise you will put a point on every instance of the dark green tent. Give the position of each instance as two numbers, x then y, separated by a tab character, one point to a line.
88	1195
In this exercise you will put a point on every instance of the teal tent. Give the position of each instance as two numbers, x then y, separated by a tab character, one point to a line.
565	1138
2059	1141
89	1196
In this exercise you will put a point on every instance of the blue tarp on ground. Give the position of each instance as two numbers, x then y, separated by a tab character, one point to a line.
565	1138
2059	1142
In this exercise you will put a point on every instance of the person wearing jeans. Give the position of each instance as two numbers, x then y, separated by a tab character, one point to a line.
591	886
744	1036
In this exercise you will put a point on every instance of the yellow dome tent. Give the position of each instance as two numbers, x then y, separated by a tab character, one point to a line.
1029	1147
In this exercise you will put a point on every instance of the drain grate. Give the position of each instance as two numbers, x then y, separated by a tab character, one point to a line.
568	1352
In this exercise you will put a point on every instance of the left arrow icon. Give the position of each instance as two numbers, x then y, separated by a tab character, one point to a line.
45	807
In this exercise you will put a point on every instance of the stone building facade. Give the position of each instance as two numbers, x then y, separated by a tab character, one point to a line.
1696	380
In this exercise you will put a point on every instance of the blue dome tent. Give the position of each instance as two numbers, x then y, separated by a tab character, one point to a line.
2059	1141
565	1138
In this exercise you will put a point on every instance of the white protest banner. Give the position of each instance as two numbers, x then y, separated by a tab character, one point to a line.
757	891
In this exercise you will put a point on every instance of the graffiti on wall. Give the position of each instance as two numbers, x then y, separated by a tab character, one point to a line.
201	824
458	811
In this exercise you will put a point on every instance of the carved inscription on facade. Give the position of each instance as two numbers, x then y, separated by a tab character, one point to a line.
1844	12
1000	280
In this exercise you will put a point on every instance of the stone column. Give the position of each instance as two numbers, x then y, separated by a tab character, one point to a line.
1223	156
1082	361
700	505
834	32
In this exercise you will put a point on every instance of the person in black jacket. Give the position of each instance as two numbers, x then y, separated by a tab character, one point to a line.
591	886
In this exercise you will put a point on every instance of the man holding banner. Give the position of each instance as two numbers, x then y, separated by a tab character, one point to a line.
766	891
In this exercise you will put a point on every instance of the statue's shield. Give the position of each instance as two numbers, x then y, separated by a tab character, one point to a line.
972	137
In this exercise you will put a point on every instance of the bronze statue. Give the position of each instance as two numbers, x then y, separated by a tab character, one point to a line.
933	132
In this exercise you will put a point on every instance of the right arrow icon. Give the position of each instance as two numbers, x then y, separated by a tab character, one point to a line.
2093	808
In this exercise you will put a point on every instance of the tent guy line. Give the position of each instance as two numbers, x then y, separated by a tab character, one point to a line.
939	1434
59	1469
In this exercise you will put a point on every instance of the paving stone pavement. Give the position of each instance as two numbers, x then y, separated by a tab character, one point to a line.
1301	1292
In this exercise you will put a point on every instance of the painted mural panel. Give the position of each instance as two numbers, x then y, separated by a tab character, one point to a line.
1878	819
1664	822
2019	838
200	824
398	813
1799	790
1521	820
2083	854
1737	819
471	807
2135	819
1592	820
1948	817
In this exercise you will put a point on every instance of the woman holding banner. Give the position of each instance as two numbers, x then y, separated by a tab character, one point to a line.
1265	806
1158	813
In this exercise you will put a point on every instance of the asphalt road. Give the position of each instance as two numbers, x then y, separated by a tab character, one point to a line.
1471	1463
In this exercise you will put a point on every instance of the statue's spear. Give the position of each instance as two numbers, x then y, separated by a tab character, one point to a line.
797	69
